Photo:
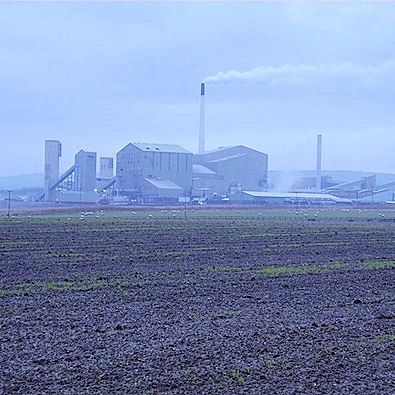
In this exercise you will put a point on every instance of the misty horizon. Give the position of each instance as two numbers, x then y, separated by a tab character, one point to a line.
98	76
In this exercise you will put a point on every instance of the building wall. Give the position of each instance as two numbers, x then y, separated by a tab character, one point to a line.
242	197
77	197
85	171
238	166
106	168
154	192
134	164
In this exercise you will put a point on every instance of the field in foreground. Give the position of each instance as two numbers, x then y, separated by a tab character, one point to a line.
248	302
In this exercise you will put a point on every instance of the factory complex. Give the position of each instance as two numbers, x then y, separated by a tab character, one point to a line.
163	174
150	173
153	173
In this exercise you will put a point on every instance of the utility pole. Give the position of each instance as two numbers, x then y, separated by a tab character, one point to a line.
185	205
9	203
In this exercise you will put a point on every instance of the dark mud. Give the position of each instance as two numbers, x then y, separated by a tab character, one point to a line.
285	301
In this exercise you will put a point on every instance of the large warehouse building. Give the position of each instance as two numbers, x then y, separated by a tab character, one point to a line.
157	171
161	171
228	170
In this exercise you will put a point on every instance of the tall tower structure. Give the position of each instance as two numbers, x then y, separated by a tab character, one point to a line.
202	109
53	151
85	171
106	167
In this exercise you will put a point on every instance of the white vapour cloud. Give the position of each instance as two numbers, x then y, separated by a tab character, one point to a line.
304	73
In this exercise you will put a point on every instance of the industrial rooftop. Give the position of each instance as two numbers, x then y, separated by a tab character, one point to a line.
160	147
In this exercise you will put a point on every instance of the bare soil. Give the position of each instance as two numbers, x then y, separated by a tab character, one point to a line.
284	301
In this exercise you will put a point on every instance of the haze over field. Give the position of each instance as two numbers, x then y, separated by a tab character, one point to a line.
99	75
284	177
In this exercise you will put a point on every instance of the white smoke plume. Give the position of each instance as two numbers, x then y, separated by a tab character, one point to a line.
284	181
304	73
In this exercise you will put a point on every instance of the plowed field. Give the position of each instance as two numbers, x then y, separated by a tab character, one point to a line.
287	301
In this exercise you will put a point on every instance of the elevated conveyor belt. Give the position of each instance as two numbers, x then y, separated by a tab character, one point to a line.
66	174
109	185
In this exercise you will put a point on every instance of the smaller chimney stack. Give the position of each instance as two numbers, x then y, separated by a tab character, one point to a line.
201	126
318	172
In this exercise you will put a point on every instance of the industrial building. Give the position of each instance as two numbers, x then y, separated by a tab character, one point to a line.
168	173
85	171
77	184
158	173
227	170
363	189
106	168
106	175
163	171
281	198
148	171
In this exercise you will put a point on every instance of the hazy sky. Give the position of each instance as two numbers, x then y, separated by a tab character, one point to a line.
99	75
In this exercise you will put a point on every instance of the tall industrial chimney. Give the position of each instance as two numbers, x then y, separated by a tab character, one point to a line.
201	127
318	173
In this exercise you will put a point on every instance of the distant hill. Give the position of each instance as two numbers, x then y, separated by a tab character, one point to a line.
344	175
22	181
